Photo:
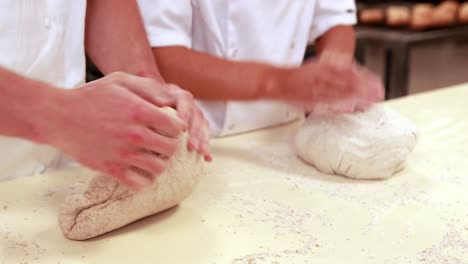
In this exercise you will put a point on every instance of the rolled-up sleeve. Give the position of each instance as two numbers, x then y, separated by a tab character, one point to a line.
167	22
331	13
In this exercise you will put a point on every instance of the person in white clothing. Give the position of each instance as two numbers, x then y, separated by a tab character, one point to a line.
243	58
107	125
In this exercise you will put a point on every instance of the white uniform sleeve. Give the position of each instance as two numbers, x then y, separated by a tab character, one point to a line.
167	22
331	13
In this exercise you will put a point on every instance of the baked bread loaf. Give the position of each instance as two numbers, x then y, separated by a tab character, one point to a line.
463	13
397	16
421	16
449	5
445	14
371	16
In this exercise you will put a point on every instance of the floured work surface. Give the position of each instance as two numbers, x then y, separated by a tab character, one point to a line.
259	203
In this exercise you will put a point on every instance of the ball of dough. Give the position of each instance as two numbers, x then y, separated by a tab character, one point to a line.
107	205
364	145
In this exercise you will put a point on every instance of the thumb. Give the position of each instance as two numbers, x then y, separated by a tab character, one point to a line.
153	91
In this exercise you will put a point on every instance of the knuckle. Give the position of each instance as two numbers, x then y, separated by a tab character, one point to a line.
187	95
159	167
174	87
112	168
165	145
167	122
150	163
137	112
179	93
114	78
152	83
133	136
126	154
116	75
172	146
145	113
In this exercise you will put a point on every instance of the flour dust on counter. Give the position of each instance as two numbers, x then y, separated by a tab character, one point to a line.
259	203
372	144
14	244
412	195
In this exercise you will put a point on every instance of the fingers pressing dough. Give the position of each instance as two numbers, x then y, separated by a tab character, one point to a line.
107	205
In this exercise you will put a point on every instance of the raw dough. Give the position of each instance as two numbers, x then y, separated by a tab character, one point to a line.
106	205
366	145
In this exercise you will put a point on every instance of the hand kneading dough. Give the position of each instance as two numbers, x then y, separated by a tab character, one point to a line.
106	205
366	145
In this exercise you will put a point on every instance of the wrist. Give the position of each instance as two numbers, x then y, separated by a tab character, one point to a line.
335	54
45	113
273	82
155	75
22	100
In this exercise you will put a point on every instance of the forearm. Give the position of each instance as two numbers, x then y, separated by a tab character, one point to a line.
211	78
22	101
116	40
339	39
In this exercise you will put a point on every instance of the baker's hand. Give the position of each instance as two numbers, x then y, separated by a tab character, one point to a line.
335	83
371	89
199	131
184	103
108	125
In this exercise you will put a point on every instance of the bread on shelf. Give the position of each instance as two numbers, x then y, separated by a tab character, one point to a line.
445	14
421	16
418	16
463	13
397	16
371	16
449	5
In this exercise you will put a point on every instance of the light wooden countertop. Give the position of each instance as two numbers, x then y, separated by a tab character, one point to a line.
258	203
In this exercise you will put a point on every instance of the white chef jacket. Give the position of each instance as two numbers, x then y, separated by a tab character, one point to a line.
274	32
42	40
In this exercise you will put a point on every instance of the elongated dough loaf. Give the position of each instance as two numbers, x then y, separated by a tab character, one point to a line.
106	205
